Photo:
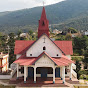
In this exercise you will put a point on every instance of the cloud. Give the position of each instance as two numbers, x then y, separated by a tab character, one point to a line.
10	5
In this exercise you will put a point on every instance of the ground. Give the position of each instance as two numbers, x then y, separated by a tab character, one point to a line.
2	86
80	86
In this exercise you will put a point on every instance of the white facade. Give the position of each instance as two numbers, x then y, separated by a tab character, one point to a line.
44	61
37	48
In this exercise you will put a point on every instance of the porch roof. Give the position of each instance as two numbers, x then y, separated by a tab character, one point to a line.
59	61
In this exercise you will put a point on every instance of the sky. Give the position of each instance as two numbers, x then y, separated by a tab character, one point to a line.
11	5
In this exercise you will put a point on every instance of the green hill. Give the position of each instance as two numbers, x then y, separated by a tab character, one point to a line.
69	13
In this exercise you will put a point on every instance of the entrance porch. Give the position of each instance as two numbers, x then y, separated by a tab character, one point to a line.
42	82
42	72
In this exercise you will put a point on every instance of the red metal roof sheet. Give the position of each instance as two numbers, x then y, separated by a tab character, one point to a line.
60	61
21	46
65	46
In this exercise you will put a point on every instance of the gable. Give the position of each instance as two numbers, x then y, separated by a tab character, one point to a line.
38	47
44	61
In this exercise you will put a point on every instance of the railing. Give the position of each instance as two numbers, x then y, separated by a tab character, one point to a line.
73	66
13	68
74	73
13	72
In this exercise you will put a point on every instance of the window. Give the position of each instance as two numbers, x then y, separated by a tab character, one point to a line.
30	54
44	48
57	55
43	24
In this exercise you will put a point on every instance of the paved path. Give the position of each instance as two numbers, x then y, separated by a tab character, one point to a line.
2	83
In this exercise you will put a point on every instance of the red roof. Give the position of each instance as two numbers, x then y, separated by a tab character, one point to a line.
61	61
65	46
21	46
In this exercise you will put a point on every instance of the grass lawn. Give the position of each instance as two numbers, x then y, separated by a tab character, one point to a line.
80	86
1	86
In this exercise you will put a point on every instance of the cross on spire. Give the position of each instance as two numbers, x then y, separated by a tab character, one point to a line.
44	39
43	3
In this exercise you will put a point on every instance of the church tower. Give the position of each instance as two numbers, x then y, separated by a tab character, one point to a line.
43	24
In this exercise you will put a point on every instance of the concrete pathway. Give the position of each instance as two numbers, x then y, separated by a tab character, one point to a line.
3	83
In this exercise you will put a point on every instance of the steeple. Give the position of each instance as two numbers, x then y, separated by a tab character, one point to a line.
43	24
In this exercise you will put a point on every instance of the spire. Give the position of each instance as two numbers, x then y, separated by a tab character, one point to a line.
43	15
43	24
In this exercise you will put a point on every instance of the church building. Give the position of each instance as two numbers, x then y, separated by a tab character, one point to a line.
43	58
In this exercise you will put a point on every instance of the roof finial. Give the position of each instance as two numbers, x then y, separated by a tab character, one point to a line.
43	3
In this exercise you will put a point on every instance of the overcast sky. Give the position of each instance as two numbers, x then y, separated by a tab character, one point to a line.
10	5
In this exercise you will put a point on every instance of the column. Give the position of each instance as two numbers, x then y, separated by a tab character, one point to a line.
70	66
63	74
25	73
53	74
17	71
34	74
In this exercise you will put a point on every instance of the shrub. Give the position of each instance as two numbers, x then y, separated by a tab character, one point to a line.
87	77
81	77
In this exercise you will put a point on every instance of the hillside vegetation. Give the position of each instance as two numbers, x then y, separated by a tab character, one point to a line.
69	13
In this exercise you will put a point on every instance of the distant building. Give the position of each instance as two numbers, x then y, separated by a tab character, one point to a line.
57	31
75	35
85	32
24	35
3	62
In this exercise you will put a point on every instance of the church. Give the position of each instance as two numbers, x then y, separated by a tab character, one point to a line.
44	57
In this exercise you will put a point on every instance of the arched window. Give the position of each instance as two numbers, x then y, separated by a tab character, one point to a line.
43	24
44	48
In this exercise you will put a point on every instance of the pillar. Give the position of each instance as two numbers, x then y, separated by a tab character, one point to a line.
17	71
53	74
63	74
34	74
25	73
70	66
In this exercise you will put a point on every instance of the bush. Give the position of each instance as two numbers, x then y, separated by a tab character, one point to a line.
83	72
87	77
81	77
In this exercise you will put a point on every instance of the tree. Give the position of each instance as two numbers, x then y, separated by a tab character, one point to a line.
85	60
78	68
68	37
80	44
72	30
30	32
11	43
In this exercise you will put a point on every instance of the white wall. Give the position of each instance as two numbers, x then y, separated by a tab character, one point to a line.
5	76
37	48
44	61
17	56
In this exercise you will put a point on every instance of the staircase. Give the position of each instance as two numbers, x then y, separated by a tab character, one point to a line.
74	74
13	68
